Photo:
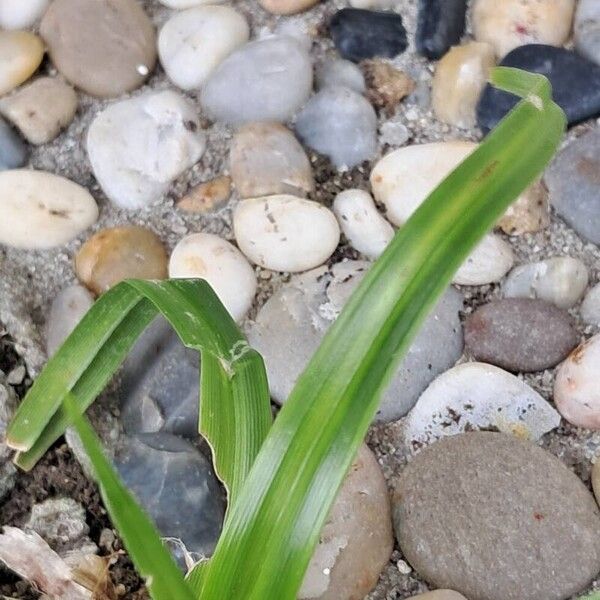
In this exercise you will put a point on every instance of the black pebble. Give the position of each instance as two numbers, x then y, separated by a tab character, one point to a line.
359	34
575	84
440	25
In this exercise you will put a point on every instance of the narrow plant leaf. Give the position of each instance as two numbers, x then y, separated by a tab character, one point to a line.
153	561
274	524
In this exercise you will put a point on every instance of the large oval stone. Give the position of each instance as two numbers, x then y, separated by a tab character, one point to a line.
520	334
496	518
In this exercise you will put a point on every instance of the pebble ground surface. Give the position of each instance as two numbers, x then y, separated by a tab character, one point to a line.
30	280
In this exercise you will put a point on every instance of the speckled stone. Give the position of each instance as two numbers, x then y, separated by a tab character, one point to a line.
13	151
520	334
440	25
469	509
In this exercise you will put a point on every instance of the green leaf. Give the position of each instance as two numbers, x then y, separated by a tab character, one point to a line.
153	561
274	524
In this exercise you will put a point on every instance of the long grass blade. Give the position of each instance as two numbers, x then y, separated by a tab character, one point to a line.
275	522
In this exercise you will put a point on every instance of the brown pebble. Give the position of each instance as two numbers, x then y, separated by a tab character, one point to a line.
206	197
119	253
386	86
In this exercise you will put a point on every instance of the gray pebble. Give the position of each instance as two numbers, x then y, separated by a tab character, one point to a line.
587	29
8	406
337	72
13	150
590	307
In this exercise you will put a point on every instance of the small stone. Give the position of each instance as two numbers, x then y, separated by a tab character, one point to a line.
577	387
206	197
573	181
41	109
459	80
477	396
21	14
387	86
590	307
491	260
394	133
575	84
16	376
138	146
439	595
337	72
366	230
340	124
440	25
529	213
520	334
265	80
13	151
359	34
561	280
118	253
104	47
492	498
42	210
587	29
357	540
194	42
222	265
285	233
176	485
266	159
22	53
68	308
287	7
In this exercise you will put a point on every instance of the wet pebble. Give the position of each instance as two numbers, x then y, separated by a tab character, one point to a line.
265	80
119	253
337	72
138	146
21	53
222	265
477	396
341	124
104	47
365	229
359	34
21	14
514	23
440	25
67	309
492	498
42	210
520	334
590	307
561	280
575	83
13	151
41	109
206	197
577	387
266	159
194	42
287	7
587	29
574	185
285	233
491	260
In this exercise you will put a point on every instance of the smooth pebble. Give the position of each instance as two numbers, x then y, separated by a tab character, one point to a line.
590	307
194	42
440	25
587	29
13	150
341	124
42	210
337	72
366	230
265	80
439	595
491	260
21	53
206	197
528	213
577	386
287	7
221	264
285	233
138	146
21	14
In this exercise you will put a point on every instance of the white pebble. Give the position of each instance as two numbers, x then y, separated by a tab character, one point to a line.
366	230
42	210
285	233
560	280
193	42
21	14
491	260
221	264
590	307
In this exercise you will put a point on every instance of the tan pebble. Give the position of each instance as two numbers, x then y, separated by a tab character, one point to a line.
119	253
530	212
511	23
459	79
439	595
287	7
386	86
41	109
21	53
206	197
